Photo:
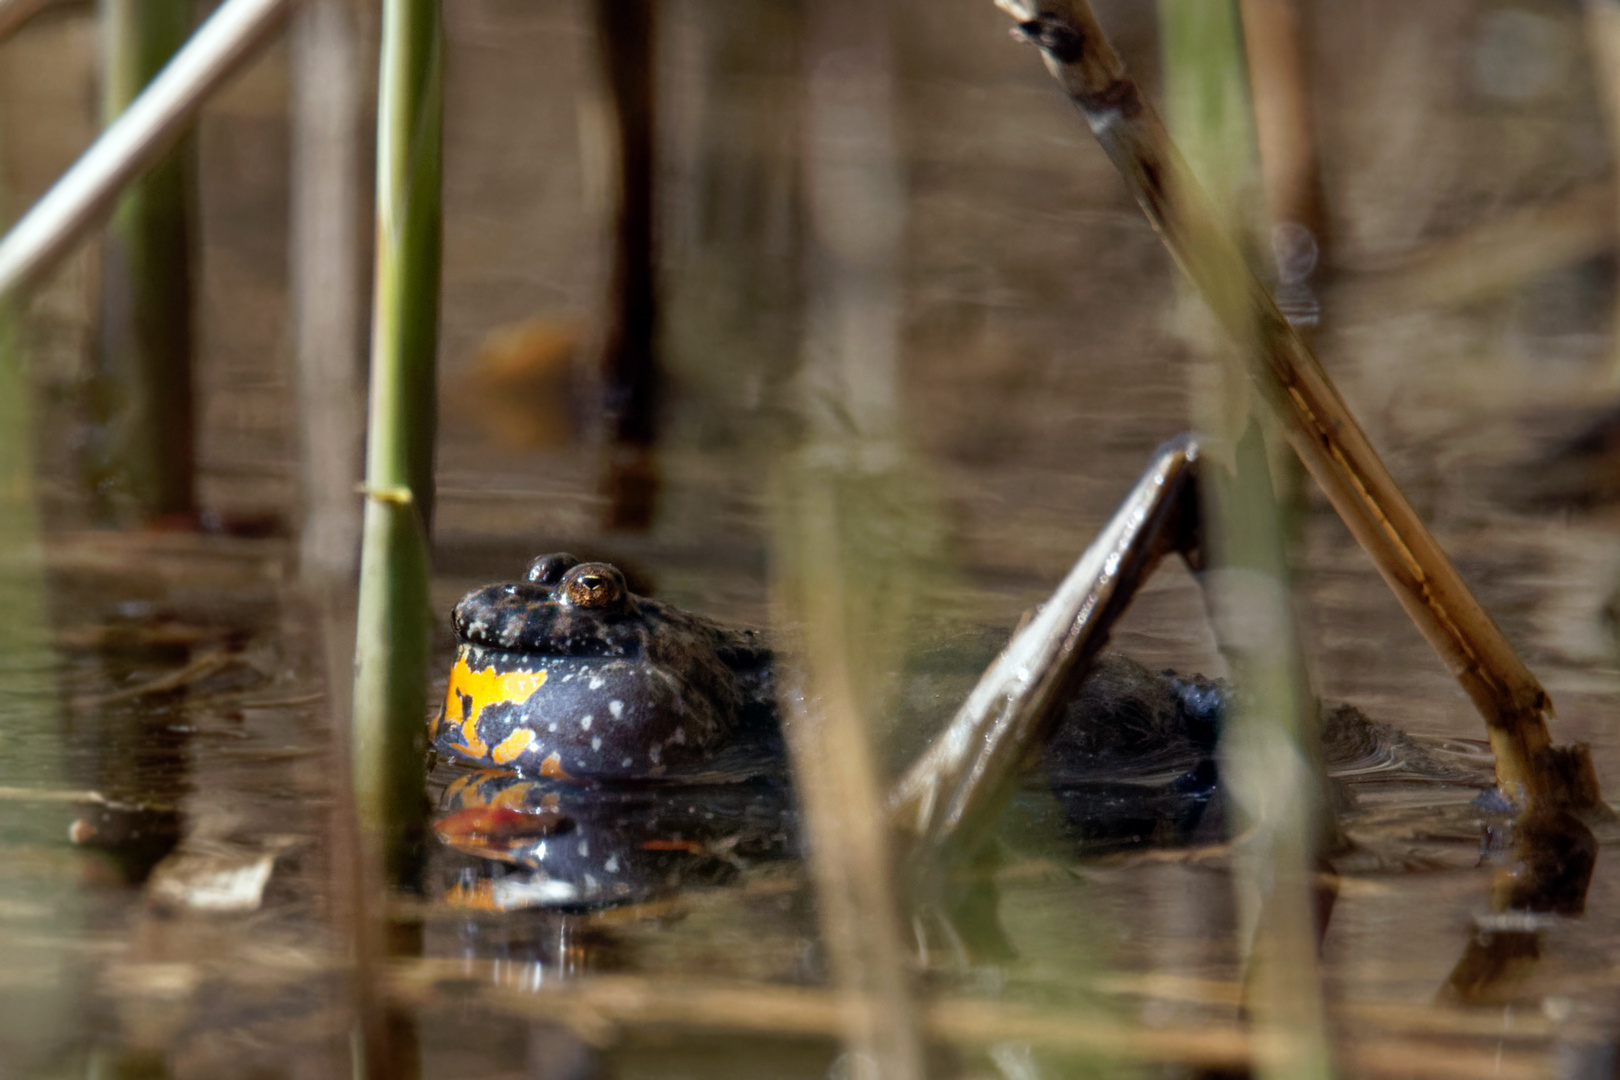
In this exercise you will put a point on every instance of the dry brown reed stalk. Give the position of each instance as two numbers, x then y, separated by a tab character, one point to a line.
601	1008
1315	419
1285	131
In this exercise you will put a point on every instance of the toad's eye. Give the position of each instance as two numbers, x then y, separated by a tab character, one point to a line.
549	569
595	586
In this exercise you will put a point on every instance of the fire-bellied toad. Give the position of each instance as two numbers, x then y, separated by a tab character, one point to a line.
570	674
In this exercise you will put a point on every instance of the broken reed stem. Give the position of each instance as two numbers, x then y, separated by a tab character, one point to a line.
1315	419
955	790
394	638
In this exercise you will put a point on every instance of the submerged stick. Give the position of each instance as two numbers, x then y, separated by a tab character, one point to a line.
1315	419
143	131
955	788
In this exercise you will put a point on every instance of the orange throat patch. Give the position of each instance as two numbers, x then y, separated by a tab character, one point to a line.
471	692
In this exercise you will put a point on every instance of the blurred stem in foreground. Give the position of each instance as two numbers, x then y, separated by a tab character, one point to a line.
842	579
395	624
327	284
140	459
1269	746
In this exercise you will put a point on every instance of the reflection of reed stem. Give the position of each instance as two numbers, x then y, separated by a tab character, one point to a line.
1315	419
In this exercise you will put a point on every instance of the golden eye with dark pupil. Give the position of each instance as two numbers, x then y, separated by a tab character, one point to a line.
592	591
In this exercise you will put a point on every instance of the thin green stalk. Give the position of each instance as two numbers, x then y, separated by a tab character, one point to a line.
140	461
394	638
395	624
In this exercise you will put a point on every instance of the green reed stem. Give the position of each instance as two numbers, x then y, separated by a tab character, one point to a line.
395	624
140	462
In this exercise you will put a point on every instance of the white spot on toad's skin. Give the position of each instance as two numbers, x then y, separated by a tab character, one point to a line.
552	726
597	684
590	883
612	865
654	752
679	738
625	763
616	707
596	742
584	847
585	724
